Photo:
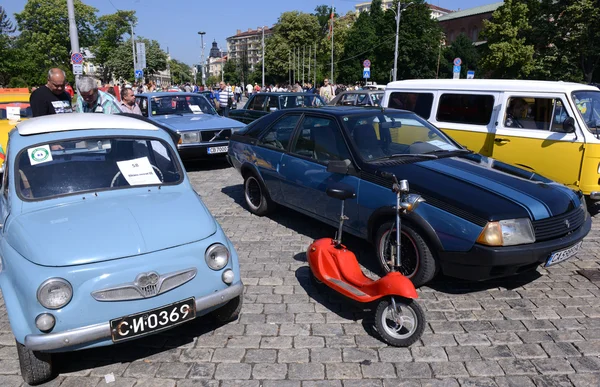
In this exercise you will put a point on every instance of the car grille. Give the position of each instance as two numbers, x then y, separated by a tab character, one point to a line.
558	226
215	135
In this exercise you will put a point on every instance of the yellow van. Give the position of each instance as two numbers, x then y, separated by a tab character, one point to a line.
14	106
550	128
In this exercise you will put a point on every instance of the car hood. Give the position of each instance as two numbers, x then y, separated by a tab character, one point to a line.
101	229
486	188
198	122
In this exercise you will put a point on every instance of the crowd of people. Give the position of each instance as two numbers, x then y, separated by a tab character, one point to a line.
57	96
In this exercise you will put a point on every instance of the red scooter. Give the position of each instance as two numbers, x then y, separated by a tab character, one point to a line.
399	320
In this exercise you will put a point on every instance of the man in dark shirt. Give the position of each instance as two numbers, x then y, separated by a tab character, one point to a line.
52	97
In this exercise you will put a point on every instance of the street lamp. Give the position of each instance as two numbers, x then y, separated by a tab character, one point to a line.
202	33
401	7
263	57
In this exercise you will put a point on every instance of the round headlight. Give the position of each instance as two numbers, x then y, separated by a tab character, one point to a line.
217	256
54	293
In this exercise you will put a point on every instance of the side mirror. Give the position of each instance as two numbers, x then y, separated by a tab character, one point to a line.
273	109
568	125
339	166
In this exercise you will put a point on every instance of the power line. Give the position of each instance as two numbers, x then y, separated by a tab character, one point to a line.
369	50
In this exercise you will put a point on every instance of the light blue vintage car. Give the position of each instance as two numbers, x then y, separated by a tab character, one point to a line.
104	239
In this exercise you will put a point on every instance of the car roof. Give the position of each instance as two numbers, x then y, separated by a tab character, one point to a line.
489	85
166	94
342	110
80	121
284	93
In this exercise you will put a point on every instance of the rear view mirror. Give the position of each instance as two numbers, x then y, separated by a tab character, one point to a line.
568	125
339	166
273	109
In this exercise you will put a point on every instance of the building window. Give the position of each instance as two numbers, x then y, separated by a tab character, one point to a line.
475	34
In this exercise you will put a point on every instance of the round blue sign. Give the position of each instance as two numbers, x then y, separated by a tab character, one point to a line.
457	61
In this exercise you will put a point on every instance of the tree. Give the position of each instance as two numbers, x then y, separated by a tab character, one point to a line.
121	61
7	54
44	27
508	54
110	30
464	49
180	72
230	72
323	14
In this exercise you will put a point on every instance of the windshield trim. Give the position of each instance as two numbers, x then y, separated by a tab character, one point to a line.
152	98
16	174
593	131
406	114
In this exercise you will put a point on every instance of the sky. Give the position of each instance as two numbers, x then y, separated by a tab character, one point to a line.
175	23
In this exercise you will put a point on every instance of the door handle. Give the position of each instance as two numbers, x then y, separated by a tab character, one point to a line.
501	140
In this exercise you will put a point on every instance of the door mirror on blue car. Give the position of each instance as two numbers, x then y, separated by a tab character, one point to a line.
339	166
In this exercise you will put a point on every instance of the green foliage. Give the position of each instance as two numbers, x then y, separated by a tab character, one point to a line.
17	82
110	30
44	27
6	25
180	72
120	62
230	72
7	51
212	81
323	14
464	49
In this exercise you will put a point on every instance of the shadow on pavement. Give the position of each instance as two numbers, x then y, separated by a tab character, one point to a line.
206	165
451	285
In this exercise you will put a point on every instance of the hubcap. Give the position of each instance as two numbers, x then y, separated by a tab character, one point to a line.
400	323
253	192
409	253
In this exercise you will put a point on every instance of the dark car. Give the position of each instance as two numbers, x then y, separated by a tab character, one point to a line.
261	104
358	98
481	219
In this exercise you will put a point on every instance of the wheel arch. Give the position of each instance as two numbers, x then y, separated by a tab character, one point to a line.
250	169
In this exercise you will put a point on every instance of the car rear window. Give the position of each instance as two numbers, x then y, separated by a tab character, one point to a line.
419	103
470	109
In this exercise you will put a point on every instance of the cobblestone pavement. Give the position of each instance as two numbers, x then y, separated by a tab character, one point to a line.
535	330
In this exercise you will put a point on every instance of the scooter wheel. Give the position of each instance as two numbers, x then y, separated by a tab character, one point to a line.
399	328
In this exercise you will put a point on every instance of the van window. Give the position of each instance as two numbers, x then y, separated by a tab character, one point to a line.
466	109
535	113
419	103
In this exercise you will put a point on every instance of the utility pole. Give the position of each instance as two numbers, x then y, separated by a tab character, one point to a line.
289	67
309	58
202	33
315	82
332	14
133	47
399	10
263	56
73	30
303	62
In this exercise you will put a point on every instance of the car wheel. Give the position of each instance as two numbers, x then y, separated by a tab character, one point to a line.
36	367
256	197
418	263
230	311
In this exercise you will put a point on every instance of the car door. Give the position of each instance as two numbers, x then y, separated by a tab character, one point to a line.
530	135
143	104
269	149
304	175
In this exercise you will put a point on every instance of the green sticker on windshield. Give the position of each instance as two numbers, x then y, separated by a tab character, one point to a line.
39	155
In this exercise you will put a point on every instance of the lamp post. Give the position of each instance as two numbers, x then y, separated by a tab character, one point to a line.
263	56
401	7
202	33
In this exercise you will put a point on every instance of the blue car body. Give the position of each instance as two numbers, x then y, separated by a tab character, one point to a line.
463	193
204	133
101	239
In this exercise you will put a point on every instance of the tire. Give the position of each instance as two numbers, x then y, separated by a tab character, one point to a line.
230	311
418	263
36	367
406	333
257	199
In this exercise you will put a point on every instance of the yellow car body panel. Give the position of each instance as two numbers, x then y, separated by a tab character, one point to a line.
10	97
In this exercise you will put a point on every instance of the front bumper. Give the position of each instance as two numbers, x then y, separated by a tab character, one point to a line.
199	151
97	332
484	262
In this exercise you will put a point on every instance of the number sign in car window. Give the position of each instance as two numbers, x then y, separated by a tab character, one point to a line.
465	109
279	134
321	140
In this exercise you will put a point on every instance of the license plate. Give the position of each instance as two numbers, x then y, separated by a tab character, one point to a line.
562	255
152	321
218	149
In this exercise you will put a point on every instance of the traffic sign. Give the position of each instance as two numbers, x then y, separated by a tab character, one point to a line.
367	63
76	58
77	69
470	74
139	74
367	72
456	69
457	61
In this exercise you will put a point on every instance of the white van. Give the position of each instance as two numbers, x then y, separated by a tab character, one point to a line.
550	128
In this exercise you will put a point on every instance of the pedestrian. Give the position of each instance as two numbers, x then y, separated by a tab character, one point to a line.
111	90
225	99
327	91
128	103
52	97
92	100
248	90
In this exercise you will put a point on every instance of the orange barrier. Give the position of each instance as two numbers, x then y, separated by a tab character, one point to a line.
14	90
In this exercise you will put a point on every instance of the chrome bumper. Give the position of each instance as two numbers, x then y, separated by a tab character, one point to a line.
91	333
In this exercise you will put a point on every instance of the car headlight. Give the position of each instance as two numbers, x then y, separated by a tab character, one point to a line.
217	256
190	137
54	293
507	233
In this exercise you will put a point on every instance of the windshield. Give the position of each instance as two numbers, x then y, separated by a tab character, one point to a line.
379	135
181	104
294	101
15	110
588	106
94	164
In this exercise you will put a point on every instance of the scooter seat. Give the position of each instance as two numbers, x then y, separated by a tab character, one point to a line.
350	269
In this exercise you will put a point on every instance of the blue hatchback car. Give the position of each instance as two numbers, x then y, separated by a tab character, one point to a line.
481	219
104	239
204	133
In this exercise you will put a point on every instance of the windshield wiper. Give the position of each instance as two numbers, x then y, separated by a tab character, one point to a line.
416	155
459	150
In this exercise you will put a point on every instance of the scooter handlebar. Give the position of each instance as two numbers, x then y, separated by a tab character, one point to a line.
388	175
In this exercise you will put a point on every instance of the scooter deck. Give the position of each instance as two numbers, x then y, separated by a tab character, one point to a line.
348	287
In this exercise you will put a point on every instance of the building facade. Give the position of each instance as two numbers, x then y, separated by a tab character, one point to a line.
468	22
248	45
436	11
